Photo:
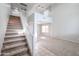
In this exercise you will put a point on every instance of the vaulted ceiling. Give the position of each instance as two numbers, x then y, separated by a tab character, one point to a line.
30	8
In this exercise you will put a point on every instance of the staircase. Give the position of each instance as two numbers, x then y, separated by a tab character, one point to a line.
15	43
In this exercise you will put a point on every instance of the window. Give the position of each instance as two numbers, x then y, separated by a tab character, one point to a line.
45	29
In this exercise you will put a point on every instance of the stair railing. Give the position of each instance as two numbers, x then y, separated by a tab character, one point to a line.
28	33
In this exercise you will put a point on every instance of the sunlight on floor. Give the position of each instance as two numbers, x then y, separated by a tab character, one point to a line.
42	37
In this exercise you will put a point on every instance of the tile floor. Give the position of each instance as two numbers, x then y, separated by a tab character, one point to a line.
47	46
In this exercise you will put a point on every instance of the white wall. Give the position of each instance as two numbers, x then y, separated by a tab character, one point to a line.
4	17
31	23
65	20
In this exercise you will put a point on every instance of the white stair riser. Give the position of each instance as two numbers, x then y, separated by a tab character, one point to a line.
9	41
13	36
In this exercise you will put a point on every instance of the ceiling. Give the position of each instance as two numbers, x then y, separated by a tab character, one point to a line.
21	6
30	8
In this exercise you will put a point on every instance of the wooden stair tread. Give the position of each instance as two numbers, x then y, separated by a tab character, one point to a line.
16	50
13	40
11	36
20	37
24	53
13	45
